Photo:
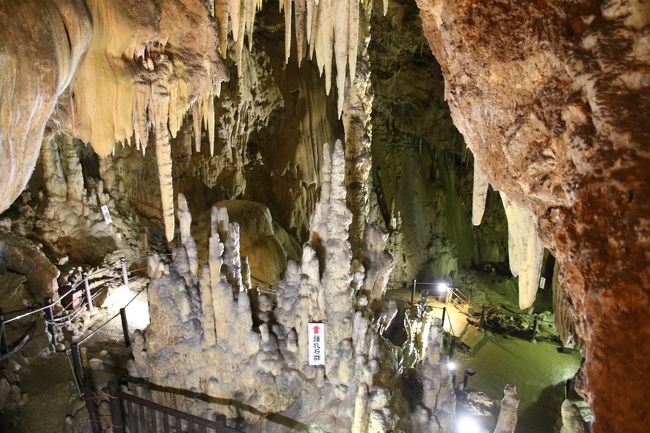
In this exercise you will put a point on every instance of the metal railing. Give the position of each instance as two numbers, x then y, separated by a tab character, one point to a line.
68	311
133	414
453	295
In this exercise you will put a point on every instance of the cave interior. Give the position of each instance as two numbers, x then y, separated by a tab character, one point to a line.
332	216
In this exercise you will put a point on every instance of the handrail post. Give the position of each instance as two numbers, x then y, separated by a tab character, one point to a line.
452	346
3	335
125	272
535	325
117	417
77	365
444	313
89	298
49	318
93	409
413	291
466	375
125	327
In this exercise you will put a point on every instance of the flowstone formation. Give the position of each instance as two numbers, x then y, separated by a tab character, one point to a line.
202	335
552	99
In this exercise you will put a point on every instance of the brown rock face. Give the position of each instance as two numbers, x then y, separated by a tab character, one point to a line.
553	99
39	54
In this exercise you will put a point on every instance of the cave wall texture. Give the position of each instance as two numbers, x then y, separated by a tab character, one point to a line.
553	101
422	171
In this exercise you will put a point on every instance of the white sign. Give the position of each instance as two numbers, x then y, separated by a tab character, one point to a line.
316	338
542	283
107	215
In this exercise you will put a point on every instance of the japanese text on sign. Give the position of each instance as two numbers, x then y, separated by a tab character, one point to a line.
316	337
107	215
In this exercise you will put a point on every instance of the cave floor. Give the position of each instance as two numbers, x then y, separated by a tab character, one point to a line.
536	368
48	384
53	404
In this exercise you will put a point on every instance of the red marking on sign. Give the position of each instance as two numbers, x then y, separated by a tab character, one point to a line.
316	329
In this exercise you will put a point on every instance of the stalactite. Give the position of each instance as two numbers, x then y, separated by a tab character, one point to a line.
325	41
160	107
309	19
196	119
341	48
300	19
211	126
287	28
525	251
353	35
479	194
235	16
221	12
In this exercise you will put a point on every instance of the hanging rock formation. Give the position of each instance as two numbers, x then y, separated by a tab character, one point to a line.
549	98
479	194
525	251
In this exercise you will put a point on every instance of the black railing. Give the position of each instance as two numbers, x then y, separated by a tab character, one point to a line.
132	414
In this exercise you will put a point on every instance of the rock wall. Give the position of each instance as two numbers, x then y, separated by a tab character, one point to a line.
42	45
550	98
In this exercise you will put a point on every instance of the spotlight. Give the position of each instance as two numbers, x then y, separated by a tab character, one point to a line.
442	288
451	365
467	425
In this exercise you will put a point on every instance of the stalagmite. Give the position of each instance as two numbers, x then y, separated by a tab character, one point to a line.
479	194
184	222
206	331
435	410
572	421
525	251
507	420
55	184
229	232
